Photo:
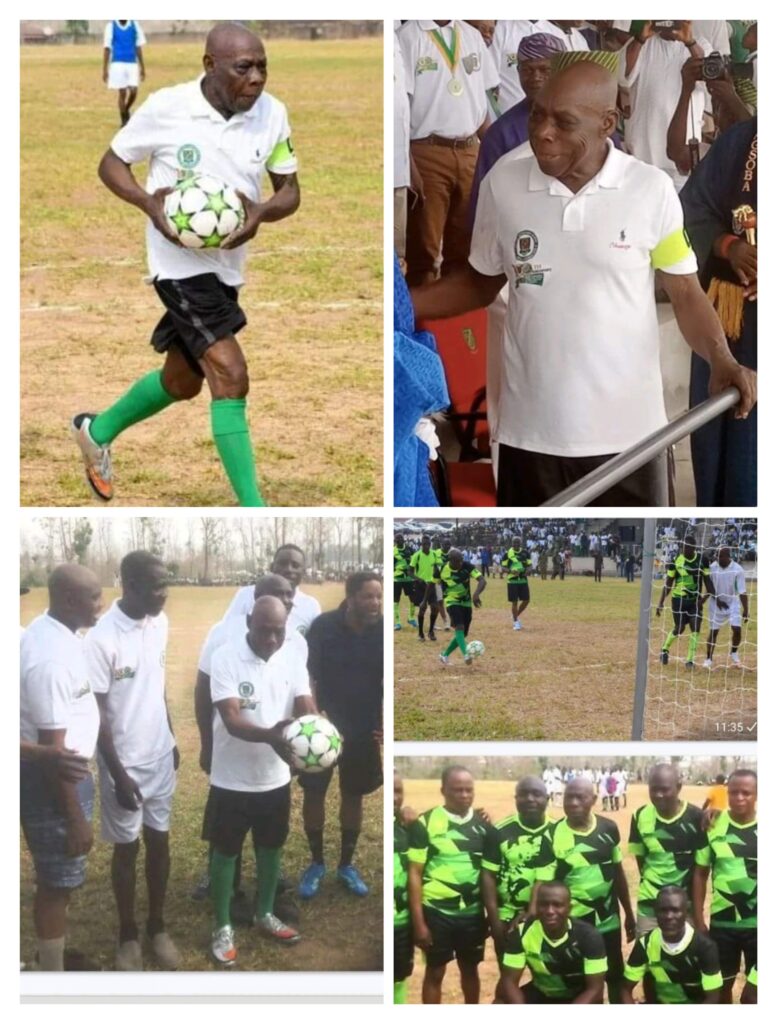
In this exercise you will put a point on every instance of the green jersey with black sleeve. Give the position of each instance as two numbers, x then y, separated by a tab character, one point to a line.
559	967
450	848
586	862
401	847
519	856
516	563
401	565
731	851
423	564
685	575
456	583
682	972
667	848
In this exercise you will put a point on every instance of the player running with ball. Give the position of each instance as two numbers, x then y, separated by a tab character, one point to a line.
455	578
225	125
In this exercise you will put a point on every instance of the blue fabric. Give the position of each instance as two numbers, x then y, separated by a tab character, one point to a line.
45	828
419	389
123	43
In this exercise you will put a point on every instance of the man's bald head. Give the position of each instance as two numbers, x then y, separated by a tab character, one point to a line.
275	585
228	38
585	83
267	626
75	596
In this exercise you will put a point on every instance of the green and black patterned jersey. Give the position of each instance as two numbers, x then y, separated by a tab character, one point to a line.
586	862
558	966
401	565
401	847
451	851
456	583
424	564
731	851
681	975
519	856
684	575
442	556
516	563
667	848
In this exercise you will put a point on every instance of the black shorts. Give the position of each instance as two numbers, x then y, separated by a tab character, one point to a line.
234	814
407	587
733	944
614	953
686	612
360	769
201	310
460	616
462	938
403	952
517	591
533	995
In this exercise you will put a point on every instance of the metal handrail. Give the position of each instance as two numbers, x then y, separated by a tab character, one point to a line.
610	473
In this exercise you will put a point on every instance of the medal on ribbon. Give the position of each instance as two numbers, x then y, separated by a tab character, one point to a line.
450	54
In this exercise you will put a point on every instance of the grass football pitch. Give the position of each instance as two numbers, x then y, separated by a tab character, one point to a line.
567	675
313	294
92	919
497	798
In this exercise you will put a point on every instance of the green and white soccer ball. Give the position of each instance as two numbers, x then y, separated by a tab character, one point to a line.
203	211
315	743
475	648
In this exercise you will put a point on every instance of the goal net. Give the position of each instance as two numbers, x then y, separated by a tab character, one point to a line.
686	688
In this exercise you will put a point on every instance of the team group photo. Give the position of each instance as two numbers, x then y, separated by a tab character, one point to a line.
186	684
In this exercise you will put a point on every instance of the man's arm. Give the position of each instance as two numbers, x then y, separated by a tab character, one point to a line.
478	591
460	292
702	331
79	836
421	934
106	62
283	203
203	713
676	136
61	760
141	65
119	179
634	48
698	894
511	986
622	892
593	991
229	709
304	705
128	793
627	992
488	894
745	602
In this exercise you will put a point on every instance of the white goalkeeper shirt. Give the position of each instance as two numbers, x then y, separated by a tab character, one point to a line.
730	582
179	132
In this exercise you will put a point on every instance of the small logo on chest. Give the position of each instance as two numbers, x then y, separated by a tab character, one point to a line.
120	674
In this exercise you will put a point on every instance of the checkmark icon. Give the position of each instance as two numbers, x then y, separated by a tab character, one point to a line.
751	727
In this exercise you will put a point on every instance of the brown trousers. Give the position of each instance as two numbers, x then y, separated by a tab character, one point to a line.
440	228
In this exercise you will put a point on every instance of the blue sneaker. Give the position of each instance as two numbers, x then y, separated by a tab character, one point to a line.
352	880
397	626
413	623
310	882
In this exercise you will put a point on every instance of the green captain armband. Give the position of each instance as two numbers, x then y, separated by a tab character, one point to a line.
670	250
711	982
282	153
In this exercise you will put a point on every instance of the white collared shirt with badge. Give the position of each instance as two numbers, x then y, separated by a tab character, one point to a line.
449	70
581	372
303	610
126	659
179	132
55	690
233	629
507	38
266	691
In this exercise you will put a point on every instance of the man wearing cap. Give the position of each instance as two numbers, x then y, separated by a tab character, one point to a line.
578	230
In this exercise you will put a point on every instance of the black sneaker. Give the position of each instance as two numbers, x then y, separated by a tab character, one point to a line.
432	635
664	657
421	637
689	664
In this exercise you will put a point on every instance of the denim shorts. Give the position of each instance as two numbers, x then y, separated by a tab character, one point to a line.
45	828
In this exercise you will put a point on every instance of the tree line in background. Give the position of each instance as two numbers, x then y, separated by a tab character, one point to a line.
201	550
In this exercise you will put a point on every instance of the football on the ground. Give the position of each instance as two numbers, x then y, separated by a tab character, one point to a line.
475	648
203	211
315	743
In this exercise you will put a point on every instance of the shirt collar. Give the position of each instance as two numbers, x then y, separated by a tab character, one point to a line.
246	654
609	176
124	622
200	108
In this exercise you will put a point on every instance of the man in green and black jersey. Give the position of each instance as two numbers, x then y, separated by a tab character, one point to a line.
403	582
589	860
731	853
455	578
675	963
664	837
517	561
519	856
403	932
684	576
422	565
566	956
446	909
441	550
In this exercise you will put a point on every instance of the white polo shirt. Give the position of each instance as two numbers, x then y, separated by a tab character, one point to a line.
401	120
266	691
55	688
581	373
303	610
572	40
434	109
507	38
234	629
729	582
126	659
178	131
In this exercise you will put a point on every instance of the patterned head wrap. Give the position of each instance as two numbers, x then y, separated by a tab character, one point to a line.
604	58
539	46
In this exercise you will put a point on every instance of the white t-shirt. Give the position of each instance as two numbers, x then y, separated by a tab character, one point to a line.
729	583
572	40
267	691
434	109
55	689
303	610
401	120
126	659
234	629
654	85
179	132
140	39
507	38
581	373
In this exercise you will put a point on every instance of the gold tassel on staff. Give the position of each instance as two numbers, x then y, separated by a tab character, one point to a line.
728	300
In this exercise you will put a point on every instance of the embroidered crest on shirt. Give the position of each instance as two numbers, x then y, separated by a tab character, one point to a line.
188	156
246	691
526	245
471	63
425	64
120	674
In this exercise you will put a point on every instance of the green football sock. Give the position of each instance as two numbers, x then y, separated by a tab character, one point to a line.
452	646
222	874
397	617
400	991
268	870
461	641
230	432
692	644
669	641
145	398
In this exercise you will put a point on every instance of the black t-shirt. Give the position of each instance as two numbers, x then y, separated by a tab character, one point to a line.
347	668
